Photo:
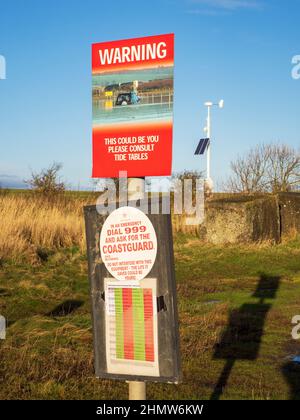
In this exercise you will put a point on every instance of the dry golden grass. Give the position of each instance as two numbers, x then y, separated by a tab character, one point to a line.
48	354
29	223
180	225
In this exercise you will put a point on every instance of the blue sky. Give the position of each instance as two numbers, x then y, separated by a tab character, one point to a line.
239	50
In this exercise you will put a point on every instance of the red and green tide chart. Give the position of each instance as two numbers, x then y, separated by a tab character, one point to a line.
131	328
128	249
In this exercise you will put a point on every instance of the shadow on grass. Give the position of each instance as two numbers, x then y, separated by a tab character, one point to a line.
242	338
65	308
4	292
291	372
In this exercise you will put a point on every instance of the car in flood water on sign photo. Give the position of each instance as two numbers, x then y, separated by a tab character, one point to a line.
130	98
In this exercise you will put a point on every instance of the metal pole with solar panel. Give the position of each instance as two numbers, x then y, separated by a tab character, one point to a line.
205	143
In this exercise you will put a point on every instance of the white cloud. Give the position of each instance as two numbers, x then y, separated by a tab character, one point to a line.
229	5
207	12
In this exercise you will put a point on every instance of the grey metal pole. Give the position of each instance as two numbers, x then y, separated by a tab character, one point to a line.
137	390
209	136
136	191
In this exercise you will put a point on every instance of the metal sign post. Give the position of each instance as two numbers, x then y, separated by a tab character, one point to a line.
137	390
130	252
207	129
136	191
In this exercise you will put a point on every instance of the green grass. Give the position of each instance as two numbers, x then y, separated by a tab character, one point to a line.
47	356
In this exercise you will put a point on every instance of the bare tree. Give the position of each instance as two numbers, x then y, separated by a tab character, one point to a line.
189	180
47	181
266	168
249	172
188	174
283	171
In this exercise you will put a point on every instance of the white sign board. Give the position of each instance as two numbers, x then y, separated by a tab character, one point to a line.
131	327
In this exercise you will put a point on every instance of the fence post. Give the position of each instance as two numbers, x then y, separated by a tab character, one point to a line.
136	191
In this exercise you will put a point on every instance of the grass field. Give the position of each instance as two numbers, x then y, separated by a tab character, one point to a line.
235	310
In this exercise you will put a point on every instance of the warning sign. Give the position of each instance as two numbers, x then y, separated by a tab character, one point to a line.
128	244
133	97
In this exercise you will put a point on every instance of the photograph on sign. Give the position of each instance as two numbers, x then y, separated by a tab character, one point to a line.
128	244
132	86
131	327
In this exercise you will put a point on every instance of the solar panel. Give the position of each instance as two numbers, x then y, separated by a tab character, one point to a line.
198	148
202	146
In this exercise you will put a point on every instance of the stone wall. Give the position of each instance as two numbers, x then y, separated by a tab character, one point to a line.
289	204
248	219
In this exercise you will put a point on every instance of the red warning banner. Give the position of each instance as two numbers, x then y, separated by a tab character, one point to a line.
133	107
